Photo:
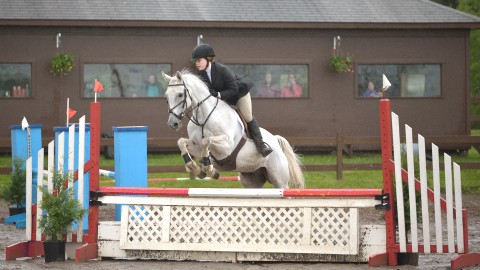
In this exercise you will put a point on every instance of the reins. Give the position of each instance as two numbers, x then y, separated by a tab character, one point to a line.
197	107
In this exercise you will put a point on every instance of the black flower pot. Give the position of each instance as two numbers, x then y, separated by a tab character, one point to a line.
54	251
16	210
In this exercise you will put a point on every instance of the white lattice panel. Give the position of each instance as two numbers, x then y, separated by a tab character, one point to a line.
278	226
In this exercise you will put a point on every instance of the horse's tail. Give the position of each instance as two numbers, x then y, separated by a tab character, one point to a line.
294	164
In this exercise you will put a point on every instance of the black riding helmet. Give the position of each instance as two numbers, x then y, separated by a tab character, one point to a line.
202	51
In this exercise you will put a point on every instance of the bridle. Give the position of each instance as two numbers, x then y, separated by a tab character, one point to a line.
183	103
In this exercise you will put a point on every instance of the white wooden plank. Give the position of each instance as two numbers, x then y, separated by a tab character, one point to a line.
111	249
28	199
458	207
354	231
307	225
324	249
71	154
40	171
436	196
449	198
411	189
80	170
424	195
109	230
254	202
235	192
70	167
61	152
124	220
51	165
166	223
398	183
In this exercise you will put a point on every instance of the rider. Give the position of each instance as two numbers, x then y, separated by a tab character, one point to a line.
222	84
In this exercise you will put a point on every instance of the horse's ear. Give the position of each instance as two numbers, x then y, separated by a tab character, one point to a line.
178	75
166	77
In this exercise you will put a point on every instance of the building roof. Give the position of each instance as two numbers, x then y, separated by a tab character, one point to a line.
317	13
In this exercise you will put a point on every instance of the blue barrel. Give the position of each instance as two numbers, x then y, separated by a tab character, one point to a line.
130	146
86	191
19	143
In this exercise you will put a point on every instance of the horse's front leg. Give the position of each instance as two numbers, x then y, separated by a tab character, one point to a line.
190	165
205	145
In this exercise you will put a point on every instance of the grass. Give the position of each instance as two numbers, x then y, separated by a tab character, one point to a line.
351	179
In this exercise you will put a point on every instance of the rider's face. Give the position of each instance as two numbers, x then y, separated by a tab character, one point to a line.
201	64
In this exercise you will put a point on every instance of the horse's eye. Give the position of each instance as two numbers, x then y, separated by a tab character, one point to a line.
180	95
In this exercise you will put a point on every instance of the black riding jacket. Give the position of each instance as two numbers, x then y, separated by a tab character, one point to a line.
224	82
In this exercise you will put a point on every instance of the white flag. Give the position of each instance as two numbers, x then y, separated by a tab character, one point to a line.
386	83
24	123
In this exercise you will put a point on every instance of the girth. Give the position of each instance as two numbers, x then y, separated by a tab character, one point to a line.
230	163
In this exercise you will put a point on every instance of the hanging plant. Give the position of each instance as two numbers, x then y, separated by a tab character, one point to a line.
61	64
341	63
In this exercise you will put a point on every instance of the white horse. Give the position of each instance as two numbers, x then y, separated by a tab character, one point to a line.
215	131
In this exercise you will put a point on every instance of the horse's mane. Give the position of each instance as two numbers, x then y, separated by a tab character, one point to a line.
188	76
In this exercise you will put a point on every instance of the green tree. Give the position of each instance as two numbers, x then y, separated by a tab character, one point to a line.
448	3
473	7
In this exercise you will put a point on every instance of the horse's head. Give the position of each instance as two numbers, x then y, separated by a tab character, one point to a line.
178	99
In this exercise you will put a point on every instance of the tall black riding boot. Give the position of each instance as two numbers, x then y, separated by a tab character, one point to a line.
262	146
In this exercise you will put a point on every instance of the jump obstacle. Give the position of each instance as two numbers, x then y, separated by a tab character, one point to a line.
268	224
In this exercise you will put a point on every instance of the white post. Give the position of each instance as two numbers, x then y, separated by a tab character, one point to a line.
51	166
458	207
61	152
40	161
71	169
436	195
411	188
449	198
423	193
28	199
398	182
80	168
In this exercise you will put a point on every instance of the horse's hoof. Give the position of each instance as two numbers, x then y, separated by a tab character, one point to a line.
202	175
216	175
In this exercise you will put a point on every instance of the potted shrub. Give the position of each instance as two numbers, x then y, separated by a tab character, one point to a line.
14	191
341	63
61	209
61	64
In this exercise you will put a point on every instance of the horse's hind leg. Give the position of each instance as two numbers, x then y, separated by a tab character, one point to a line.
190	165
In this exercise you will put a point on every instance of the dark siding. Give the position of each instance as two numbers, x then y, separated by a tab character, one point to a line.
330	107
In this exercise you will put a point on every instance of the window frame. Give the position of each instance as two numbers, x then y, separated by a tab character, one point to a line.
122	62
30	62
441	64
265	62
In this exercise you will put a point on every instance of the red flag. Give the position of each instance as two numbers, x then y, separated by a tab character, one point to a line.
98	87
70	113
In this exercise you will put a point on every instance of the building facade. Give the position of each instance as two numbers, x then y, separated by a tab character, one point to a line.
424	54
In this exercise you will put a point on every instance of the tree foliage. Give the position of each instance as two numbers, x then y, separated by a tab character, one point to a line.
14	191
61	208
473	7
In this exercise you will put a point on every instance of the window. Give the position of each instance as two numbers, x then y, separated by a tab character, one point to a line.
277	81
407	80
15	79
126	80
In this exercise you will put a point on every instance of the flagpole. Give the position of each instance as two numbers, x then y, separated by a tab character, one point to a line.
68	109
